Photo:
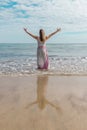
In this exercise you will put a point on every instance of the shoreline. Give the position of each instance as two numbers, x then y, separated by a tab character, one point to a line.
39	102
43	73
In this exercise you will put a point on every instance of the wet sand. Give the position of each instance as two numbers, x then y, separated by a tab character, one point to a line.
43	102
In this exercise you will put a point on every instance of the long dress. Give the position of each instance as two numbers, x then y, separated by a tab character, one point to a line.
42	55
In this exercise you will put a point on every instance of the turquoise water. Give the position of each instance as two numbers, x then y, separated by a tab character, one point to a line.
64	58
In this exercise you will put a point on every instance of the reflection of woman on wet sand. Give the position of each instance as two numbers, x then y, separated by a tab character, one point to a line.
41	91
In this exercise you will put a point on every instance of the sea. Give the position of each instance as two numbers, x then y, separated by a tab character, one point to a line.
65	59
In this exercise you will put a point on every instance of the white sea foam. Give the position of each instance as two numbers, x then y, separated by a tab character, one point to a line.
58	65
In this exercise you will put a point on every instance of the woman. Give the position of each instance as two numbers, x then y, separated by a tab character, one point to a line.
42	55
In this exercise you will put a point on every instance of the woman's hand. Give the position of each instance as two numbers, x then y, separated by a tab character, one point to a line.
58	29
25	29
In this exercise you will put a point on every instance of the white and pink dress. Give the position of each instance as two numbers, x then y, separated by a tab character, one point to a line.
42	55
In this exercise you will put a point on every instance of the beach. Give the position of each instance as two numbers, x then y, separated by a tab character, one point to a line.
43	65
43	102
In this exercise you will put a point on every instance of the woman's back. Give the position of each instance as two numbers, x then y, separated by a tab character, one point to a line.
40	43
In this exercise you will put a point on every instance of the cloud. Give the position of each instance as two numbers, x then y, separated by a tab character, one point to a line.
69	14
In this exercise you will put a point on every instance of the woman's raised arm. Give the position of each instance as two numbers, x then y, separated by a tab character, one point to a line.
35	37
47	37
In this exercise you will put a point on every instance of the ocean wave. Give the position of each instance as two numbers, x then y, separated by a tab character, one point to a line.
58	65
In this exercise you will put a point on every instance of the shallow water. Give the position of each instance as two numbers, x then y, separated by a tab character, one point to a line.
64	58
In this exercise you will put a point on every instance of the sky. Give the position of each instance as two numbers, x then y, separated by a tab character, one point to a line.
70	15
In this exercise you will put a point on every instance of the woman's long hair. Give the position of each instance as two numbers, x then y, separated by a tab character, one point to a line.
42	35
